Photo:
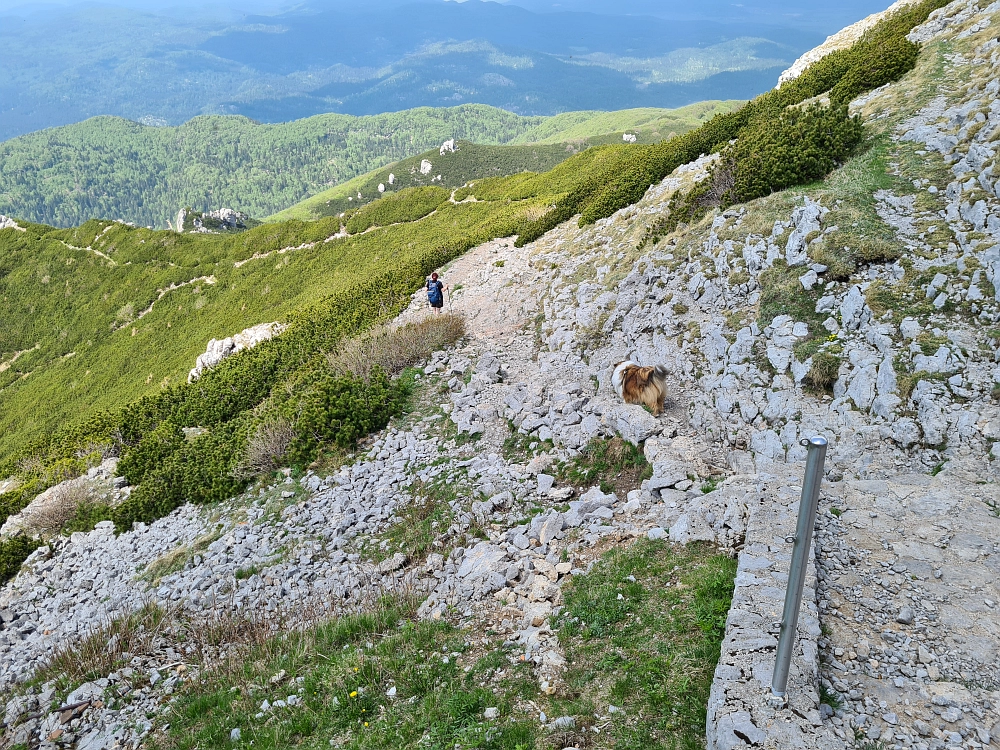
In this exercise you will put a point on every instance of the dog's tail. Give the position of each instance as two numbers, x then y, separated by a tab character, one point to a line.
660	372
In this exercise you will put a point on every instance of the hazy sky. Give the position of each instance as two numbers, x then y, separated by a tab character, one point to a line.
816	15
166	61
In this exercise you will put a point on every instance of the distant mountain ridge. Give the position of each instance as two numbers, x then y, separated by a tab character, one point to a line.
167	66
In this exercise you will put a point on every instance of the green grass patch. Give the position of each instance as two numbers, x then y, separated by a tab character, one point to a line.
177	558
340	672
781	293
520	447
613	463
642	631
248	572
469	162
426	517
823	372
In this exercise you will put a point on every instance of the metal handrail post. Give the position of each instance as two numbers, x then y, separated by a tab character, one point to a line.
800	556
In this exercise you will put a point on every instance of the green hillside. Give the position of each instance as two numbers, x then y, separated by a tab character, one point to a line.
542	147
648	123
108	167
469	161
99	325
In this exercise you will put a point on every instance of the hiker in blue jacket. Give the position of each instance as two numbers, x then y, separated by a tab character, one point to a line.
435	293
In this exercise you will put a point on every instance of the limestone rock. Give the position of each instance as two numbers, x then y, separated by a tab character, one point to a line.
481	560
632	422
246	339
691	527
7	223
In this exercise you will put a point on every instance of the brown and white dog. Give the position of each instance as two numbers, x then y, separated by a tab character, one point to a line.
641	385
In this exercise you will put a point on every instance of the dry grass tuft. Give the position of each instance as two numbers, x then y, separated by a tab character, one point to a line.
266	449
51	510
110	646
395	349
824	371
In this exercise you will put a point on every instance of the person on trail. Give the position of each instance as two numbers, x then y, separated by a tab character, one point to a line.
435	293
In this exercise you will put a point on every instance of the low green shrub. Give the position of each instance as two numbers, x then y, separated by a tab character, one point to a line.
326	408
797	147
152	451
406	205
88	514
13	553
17	499
771	154
199	471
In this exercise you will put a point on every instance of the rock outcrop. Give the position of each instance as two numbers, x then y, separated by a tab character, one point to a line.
219	350
7	223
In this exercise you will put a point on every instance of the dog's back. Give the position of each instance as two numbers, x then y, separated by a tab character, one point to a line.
641	385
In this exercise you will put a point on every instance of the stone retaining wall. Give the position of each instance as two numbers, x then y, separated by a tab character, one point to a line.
739	714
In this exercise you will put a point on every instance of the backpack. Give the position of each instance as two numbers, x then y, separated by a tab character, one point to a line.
434	295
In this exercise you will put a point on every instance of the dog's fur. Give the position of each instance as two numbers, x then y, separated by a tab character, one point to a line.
641	385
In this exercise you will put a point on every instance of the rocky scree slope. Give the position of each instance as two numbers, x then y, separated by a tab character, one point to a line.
900	636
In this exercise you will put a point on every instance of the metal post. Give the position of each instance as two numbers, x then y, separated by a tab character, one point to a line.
800	556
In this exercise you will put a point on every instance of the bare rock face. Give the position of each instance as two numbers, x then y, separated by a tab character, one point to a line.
7	223
218	349
212	222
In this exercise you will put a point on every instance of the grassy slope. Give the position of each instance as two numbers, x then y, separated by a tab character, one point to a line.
537	149
650	122
651	652
108	167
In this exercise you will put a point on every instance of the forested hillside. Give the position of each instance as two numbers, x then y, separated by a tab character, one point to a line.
107	167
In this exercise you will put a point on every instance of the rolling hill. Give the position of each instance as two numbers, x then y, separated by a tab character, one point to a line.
110	167
536	150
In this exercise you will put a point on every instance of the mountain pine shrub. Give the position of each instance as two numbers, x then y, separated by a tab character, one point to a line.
772	154
882	55
13	553
406	205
